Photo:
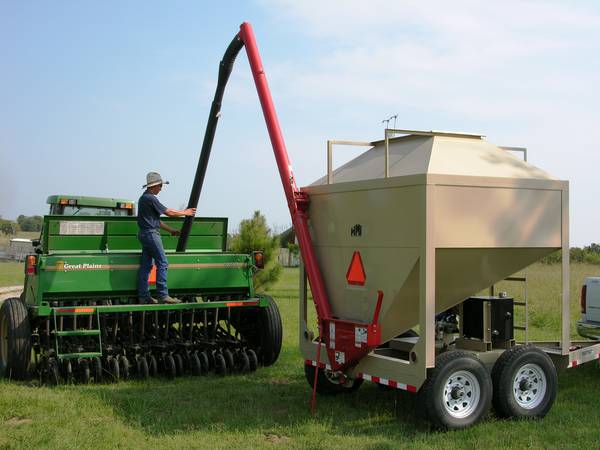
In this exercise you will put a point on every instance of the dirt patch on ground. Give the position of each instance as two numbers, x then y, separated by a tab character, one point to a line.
16	421
276	439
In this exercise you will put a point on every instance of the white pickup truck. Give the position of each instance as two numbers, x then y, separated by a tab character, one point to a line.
589	325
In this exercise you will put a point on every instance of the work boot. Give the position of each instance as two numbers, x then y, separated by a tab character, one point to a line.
148	300
170	300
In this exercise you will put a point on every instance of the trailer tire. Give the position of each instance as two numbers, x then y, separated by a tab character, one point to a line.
15	340
457	392
525	383
327	384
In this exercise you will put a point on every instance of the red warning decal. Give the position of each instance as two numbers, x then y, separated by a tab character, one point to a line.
356	272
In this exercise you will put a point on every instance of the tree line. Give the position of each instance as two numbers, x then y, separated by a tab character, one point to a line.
589	254
23	223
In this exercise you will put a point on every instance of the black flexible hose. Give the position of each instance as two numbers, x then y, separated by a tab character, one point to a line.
225	68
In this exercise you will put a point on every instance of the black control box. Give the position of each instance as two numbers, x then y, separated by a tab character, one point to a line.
501	318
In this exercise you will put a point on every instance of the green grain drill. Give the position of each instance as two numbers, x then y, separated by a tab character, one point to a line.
78	317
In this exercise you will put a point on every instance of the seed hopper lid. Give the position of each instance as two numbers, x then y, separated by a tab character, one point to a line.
436	152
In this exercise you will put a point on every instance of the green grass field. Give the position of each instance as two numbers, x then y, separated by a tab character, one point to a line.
270	408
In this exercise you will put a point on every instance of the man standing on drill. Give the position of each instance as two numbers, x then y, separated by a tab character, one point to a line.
148	219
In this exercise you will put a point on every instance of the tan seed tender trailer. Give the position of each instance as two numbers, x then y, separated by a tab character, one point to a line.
429	219
403	237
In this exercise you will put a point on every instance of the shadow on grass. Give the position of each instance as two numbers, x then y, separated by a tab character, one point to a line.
263	402
273	401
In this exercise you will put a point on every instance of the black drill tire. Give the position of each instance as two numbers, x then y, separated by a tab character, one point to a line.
14	318
503	375
262	329
430	394
271	333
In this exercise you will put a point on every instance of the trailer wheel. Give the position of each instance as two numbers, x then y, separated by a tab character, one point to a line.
458	391
329	382
15	339
525	383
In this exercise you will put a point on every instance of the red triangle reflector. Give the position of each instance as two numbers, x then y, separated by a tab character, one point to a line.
356	271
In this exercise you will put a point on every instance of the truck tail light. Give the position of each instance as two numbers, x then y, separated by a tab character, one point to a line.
259	261
30	265
582	299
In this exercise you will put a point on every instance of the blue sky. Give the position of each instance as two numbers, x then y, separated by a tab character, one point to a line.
94	95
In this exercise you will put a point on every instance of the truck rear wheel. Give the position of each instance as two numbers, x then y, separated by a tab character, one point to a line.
458	391
15	339
525	383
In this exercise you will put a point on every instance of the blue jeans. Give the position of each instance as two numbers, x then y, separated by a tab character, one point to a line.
152	249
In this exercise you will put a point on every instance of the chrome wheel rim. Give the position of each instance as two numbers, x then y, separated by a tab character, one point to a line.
461	394
529	386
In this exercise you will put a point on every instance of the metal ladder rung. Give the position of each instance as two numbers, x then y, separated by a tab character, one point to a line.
80	332
520	303
516	327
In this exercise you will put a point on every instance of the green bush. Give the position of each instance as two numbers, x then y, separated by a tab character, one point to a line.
30	223
255	235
